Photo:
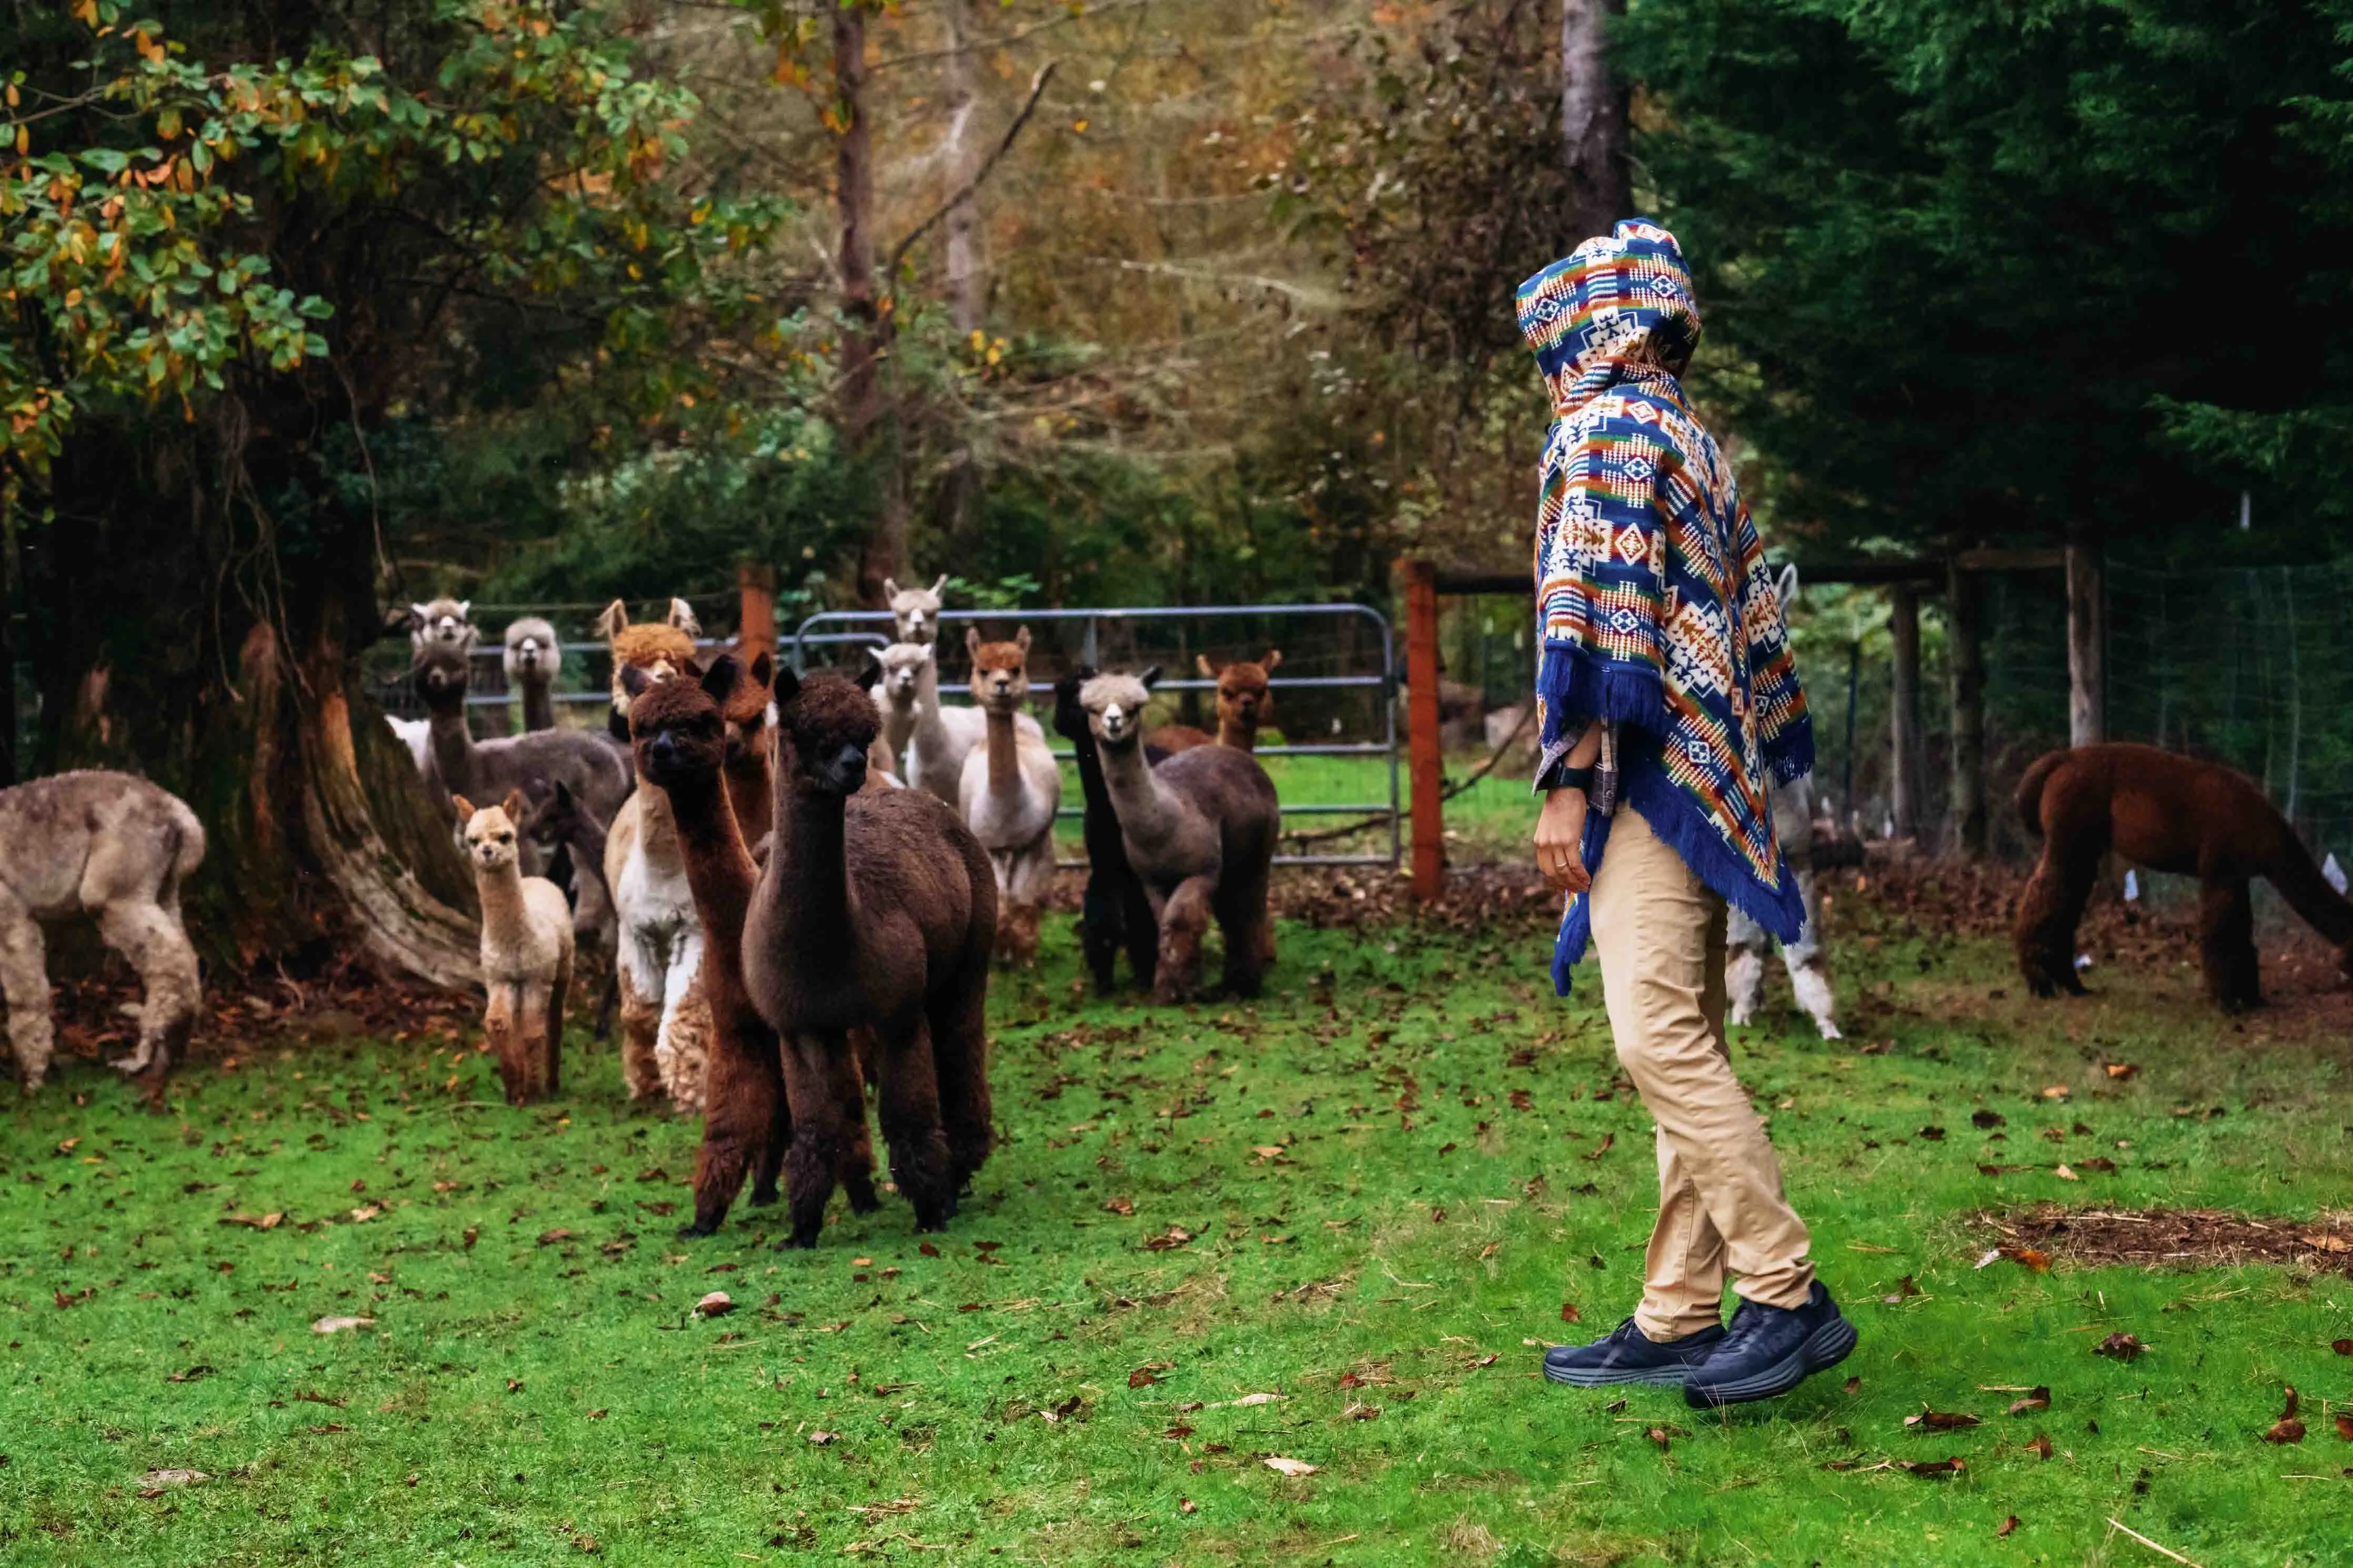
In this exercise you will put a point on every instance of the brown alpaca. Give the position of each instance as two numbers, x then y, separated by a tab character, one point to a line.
526	953
876	909
684	744
1200	831
1245	697
2169	814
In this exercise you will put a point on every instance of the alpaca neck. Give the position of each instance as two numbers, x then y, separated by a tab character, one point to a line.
453	747
1003	764
1238	732
505	916
752	793
929	733
1092	787
719	870
1142	805
538	706
811	830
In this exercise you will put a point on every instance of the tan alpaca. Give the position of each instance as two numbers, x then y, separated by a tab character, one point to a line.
1010	789
915	612
117	848
526	952
939	739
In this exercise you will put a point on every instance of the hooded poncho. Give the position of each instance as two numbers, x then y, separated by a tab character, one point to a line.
1654	607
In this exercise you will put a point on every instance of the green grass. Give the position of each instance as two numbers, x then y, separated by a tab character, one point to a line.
1398	1166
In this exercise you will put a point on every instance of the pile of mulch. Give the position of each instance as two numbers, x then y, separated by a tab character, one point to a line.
244	1013
2178	1238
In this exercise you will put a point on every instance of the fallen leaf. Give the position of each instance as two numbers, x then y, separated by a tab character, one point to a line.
2345	1424
1940	1420
2064	1175
2008	1528
550	1237
191	1374
337	1325
1851	1386
1250	1399
2057	1091
1906	1289
1175	1236
1178	1431
1932	1469
598	1414
2040	1447
1607	1140
514	1386
1361	1412
1659	1435
822	1438
2121	1346
717	1304
1184	1505
2102	1164
158	1479
1933	1134
1290	1467
258	1221
927	1249
2287	1428
2342	1347
1569	1314
2039	1398
1118	1207
2122	1070
1986	1121
362	1215
1148	1374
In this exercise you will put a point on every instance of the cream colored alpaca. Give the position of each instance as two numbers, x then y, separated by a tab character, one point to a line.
112	845
939	738
1010	791
915	612
526	952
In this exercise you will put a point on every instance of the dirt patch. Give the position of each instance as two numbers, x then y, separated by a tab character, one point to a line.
2178	1238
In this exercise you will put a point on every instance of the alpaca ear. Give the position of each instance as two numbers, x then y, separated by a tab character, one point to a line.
872	674
940	584
764	667
1201	662
417	616
465	609
681	615
890	587
1788	586
720	679
512	805
1272	661
972	639
788	684
464	808
1150	677
615	617
1021	639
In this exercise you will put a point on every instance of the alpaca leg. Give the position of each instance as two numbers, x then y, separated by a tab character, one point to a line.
856	1171
1809	977
640	1026
2226	945
1140	930
1743	974
2047	912
531	1044
1184	920
958	1014
1242	918
811	1064
744	1114
556	998
25	979
1101	936
499	1023
157	948
911	1126
683	1044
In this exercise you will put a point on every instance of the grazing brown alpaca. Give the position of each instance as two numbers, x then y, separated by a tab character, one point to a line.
1245	698
526	953
876	909
1200	831
685	745
2170	813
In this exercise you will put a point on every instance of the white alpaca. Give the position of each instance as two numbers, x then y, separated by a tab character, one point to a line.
534	658
939	739
1010	789
526	952
108	845
1810	977
416	734
915	612
443	625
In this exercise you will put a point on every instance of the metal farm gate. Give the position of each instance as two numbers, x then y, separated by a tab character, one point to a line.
1339	660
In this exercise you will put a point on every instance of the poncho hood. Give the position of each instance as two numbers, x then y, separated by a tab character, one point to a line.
1617	302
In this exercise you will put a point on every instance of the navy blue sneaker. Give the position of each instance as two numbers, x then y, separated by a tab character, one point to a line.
1626	1354
1771	1351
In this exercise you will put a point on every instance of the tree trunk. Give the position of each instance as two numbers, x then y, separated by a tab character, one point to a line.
967	261
1903	722
2087	719
1593	119
1963	594
868	422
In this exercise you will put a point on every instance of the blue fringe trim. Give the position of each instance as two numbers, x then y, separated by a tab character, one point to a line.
1575	688
1790	753
1687	830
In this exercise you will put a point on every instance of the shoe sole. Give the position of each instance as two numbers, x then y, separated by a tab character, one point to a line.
1614	1377
1824	1349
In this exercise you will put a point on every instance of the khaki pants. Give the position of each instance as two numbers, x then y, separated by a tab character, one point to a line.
1659	932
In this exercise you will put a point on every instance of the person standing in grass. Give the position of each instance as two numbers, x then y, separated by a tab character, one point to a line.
1665	692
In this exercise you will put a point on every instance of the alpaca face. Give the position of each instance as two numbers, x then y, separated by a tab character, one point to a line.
532	652
1244	696
915	612
677	729
491	830
661	649
441	623
1114	705
1000	671
824	726
902	666
440	677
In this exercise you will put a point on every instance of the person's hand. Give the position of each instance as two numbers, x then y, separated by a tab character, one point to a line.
1560	840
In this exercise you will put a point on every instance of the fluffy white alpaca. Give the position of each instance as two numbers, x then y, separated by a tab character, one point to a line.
1010	789
117	848
915	612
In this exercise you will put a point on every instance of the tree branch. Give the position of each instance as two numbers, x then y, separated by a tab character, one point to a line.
1037	91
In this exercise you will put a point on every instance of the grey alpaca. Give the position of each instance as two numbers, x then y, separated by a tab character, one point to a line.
1200	831
534	658
535	763
117	848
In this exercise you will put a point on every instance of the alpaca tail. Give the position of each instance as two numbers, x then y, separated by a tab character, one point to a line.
189	836
2307	892
2030	790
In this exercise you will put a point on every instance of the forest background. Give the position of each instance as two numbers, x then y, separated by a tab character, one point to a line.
316	307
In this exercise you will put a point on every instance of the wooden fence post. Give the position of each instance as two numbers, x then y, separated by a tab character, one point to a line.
756	626
1966	653
1428	763
2087	715
1903	722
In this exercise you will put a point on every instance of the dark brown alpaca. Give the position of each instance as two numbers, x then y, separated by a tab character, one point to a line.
875	911
2170	813
683	742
